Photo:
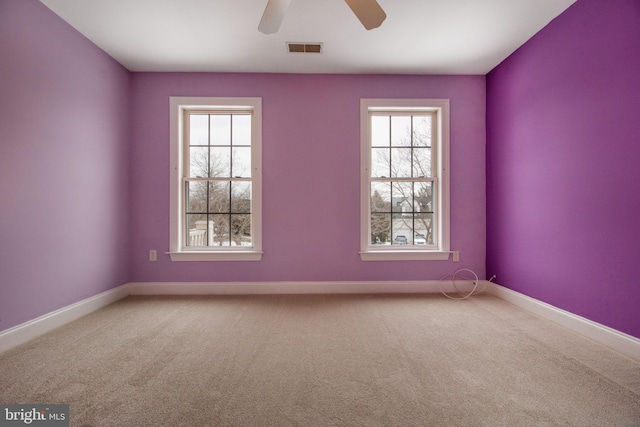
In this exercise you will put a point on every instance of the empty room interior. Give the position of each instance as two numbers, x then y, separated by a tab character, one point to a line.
274	212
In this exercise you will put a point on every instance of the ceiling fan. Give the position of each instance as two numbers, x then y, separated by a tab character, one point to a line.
368	12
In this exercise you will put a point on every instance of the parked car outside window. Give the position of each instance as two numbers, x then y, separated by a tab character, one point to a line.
401	239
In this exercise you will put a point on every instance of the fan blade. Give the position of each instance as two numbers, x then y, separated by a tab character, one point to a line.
368	12
273	16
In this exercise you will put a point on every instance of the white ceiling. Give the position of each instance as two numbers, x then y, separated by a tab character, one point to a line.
418	36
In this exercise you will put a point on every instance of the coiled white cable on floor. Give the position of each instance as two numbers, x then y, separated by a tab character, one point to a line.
461	275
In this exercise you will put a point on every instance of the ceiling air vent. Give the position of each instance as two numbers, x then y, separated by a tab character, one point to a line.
304	47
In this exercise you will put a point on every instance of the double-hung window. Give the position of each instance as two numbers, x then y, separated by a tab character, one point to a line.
215	179
404	179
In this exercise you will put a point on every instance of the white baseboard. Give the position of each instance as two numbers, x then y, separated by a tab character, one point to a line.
262	288
20	334
612	338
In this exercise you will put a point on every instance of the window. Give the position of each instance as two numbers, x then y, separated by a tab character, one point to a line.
405	179
215	179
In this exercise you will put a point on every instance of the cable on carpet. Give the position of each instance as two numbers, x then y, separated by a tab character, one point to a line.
463	274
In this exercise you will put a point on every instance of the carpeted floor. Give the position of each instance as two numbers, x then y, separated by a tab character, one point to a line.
322	360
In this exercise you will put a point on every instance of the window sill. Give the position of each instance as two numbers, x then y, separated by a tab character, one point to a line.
216	256
404	255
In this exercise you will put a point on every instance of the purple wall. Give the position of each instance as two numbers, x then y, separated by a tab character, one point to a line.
64	137
563	173
311	174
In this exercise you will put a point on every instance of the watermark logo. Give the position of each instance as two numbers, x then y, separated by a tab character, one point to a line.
34	415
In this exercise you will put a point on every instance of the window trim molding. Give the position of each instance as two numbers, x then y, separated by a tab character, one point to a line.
177	106
369	252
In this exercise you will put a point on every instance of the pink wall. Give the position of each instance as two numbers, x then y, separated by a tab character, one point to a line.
64	137
310	174
563	179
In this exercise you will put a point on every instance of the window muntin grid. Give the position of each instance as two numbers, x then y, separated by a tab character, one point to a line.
218	179
403	179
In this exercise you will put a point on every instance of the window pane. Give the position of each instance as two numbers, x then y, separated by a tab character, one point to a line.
241	197
241	230
241	129
422	131
241	162
220	162
198	129
380	162
219	197
380	229
423	201
423	224
402	229
401	162
403	179
401	131
198	162
402	197
220	129
380	131
196	196
422	162
380	197
197	230
214	139
221	231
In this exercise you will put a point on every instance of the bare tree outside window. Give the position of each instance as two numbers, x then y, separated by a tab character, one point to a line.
218	187
402	190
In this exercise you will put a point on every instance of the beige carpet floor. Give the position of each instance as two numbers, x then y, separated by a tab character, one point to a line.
322	360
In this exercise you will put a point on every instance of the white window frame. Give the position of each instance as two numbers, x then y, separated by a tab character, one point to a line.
177	250
441	249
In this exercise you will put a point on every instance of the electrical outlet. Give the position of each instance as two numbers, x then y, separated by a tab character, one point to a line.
456	256
153	255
